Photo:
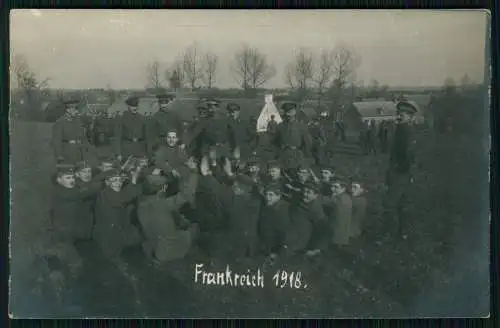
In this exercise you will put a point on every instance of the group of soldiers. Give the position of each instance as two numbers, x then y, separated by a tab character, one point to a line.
167	186
375	137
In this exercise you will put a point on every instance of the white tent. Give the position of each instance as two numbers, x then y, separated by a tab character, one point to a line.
265	115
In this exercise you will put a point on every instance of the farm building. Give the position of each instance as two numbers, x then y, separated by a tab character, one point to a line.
378	111
424	103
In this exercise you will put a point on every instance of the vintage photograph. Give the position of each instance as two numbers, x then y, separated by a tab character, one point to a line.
249	163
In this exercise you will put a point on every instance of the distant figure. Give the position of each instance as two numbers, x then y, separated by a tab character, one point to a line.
383	135
272	127
371	135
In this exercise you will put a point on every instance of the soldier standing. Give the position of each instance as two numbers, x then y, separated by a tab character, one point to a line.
292	138
103	133
69	137
132	136
383	134
398	176
237	132
319	140
165	120
210	133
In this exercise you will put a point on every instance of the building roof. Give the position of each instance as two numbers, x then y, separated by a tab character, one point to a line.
375	108
422	100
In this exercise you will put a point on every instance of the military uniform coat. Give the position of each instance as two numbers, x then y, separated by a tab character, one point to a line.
341	222
358	214
243	215
163	239
398	175
69	139
273	227
169	158
132	135
113	228
238	137
103	130
294	141
164	121
69	210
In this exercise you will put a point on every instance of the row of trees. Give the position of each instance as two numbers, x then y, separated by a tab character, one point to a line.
331	72
461	108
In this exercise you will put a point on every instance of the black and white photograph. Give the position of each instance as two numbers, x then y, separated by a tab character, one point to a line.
249	163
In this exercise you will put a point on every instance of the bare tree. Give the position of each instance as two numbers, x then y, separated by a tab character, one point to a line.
260	70
192	66
323	74
299	73
241	67
345	62
154	78
25	83
210	61
251	68
175	74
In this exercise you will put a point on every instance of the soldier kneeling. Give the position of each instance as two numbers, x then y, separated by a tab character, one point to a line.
165	241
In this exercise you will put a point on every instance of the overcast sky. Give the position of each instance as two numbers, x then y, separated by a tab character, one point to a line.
94	48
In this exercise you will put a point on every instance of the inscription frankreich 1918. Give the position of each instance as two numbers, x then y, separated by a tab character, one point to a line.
252	278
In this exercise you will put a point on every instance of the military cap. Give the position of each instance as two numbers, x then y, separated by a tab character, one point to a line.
165	98
132	101
65	168
201	107
71	101
273	187
302	165
82	165
114	173
155	178
212	102
404	107
273	163
232	107
289	107
107	159
253	159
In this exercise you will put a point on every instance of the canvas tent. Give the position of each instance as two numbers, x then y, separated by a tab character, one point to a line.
265	115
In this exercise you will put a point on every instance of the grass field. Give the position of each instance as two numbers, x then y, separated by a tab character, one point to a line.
426	274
